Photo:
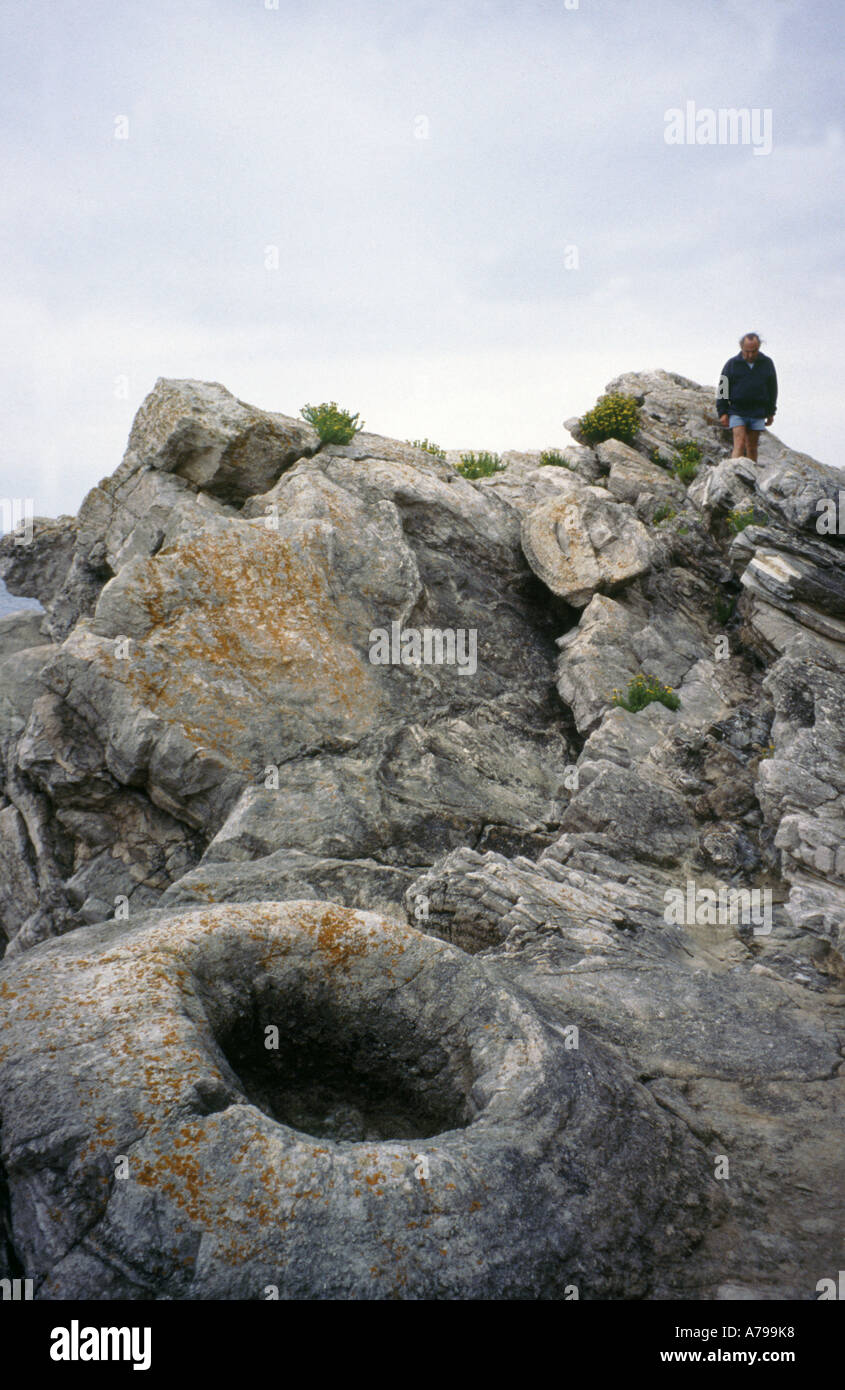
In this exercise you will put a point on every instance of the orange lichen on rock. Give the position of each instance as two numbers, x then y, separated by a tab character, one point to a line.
239	619
342	934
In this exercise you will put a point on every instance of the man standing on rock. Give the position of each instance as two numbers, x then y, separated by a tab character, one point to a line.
747	396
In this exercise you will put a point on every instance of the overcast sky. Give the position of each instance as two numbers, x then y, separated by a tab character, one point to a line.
423	171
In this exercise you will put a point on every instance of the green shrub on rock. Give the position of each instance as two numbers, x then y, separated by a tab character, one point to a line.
614	416
642	690
482	465
333	425
686	462
741	517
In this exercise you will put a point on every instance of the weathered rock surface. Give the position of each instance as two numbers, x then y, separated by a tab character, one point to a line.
408	1099
581	542
225	448
224	678
38	566
632	478
801	787
20	631
278	687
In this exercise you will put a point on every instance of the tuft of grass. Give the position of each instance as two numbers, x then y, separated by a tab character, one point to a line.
333	425
551	458
663	513
614	416
686	460
428	446
642	691
482	465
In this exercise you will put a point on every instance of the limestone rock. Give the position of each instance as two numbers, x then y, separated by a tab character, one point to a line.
597	657
582	542
801	786
18	880
577	459
632	477
662	636
19	631
727	486
20	686
803	579
201	432
36	568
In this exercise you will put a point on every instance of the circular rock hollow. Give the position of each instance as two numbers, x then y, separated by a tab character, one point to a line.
418	1132
332	1054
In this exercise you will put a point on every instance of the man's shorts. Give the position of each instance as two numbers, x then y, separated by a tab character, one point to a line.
747	421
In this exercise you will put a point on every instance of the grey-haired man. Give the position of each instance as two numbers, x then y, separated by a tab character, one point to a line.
748	395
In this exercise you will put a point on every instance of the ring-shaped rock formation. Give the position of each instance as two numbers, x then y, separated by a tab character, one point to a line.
299	1100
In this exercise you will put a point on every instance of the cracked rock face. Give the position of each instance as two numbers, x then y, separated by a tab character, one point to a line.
261	1078
330	739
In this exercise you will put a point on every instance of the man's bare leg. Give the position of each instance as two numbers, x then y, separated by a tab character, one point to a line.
751	444
740	434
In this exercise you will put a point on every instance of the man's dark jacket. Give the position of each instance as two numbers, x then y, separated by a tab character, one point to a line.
748	390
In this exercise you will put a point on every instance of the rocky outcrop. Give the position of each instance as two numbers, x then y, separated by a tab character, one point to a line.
331	739
222	694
